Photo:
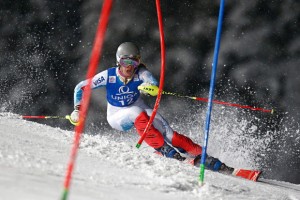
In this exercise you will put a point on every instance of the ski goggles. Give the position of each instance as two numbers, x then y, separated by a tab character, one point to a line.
126	62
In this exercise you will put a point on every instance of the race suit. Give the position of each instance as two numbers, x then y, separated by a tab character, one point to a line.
126	108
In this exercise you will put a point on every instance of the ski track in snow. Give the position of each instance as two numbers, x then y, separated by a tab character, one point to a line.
34	157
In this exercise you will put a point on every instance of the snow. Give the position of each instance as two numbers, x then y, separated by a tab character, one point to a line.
34	157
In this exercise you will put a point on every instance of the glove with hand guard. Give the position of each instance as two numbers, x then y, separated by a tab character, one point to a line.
148	89
74	117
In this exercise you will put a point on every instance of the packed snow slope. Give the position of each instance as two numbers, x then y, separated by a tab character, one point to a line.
34	157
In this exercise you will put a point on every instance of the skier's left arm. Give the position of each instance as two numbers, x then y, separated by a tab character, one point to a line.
149	85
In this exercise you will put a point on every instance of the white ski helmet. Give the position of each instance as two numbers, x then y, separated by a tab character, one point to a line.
127	49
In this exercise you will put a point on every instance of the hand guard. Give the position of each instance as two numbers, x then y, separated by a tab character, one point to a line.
74	117
148	89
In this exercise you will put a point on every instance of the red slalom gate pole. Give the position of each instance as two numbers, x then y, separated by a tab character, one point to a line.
162	73
94	61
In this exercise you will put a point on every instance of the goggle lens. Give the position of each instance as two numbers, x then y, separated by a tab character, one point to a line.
126	62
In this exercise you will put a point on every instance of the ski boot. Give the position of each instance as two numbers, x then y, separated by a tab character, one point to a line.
169	152
213	164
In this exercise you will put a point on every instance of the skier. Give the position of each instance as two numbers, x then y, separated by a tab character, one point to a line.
126	109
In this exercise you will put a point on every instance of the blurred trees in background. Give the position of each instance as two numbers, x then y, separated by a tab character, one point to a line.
45	47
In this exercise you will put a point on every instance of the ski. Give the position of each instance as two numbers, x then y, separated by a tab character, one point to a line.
252	175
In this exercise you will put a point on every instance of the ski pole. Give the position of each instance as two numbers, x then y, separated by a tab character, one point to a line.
152	90
223	103
42	117
49	117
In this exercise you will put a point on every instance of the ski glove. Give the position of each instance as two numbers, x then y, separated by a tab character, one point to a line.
74	117
148	89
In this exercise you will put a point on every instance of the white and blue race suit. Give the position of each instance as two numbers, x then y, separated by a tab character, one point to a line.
124	102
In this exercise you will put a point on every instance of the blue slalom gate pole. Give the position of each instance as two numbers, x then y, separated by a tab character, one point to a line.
211	91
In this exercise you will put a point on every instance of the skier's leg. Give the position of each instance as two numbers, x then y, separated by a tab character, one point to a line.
185	143
214	164
121	118
179	141
153	138
170	152
124	119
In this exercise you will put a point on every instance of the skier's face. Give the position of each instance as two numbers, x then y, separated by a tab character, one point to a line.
127	71
128	66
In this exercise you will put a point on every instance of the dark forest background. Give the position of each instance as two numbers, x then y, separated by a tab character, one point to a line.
45	48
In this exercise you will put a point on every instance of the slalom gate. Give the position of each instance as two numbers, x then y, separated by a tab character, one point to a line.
162	73
211	92
92	68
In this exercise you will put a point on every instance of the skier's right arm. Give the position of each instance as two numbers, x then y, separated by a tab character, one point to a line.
98	80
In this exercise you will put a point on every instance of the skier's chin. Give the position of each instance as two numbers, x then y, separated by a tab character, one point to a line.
128	73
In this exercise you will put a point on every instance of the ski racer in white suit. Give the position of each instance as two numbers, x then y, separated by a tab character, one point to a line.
126	109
